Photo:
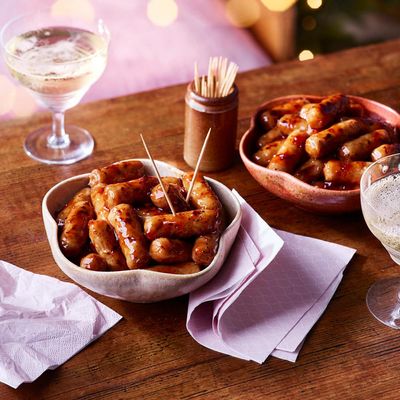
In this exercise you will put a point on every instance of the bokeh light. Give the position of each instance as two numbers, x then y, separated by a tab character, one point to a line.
278	5
314	4
162	12
242	13
24	104
8	90
306	55
309	23
81	9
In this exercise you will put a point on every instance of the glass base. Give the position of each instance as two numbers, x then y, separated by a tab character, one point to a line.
383	301
80	146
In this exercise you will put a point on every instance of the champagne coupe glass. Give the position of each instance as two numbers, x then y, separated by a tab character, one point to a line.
57	58
380	203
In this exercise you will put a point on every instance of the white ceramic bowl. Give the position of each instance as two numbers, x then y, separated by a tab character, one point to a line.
139	286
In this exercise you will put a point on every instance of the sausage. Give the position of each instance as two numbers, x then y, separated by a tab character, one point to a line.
82	195
311	170
93	262
103	239
75	232
99	201
348	172
179	269
269	137
265	154
175	193
319	115
118	172
290	122
290	152
202	196
131	192
361	147
205	248
268	119
181	225
322	143
170	251
385	150
132	241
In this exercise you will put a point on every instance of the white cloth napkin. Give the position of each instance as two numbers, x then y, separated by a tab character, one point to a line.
43	323
272	289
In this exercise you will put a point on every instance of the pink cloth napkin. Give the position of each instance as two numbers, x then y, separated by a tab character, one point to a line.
272	289
43	323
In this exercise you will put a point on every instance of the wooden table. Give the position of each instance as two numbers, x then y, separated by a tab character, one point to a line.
149	354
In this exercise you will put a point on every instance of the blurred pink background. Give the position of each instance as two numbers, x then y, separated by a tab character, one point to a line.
154	43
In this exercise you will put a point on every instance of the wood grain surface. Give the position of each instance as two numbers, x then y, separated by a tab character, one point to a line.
149	354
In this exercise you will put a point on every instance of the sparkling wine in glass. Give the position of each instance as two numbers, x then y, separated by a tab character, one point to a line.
380	202
57	59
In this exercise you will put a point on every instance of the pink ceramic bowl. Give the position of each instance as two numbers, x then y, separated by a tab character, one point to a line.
288	187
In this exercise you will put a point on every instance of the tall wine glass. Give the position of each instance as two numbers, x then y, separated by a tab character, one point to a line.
380	202
57	58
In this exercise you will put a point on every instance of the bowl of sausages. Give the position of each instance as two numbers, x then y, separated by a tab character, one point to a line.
112	230
312	150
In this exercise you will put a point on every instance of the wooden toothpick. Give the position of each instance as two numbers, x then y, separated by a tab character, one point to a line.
196	78
158	176
196	170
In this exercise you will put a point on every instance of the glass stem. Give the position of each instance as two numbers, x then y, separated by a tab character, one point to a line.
58	138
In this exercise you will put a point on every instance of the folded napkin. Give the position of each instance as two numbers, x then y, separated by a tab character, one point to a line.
43	323
272	289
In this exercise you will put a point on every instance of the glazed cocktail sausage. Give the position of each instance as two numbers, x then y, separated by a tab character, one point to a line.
269	137
93	262
361	147
204	249
290	152
385	150
265	154
117	172
175	192
170	251
347	172
132	241
267	119
290	122
325	142
82	195
103	240
75	233
136	191
202	196
99	201
182	225
311	170
319	115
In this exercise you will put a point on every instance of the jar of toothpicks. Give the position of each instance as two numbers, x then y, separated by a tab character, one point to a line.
212	103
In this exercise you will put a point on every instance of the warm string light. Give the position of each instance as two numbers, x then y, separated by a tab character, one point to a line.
162	12
242	13
314	4
306	55
278	5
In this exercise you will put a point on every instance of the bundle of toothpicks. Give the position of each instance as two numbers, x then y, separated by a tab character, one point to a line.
219	80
